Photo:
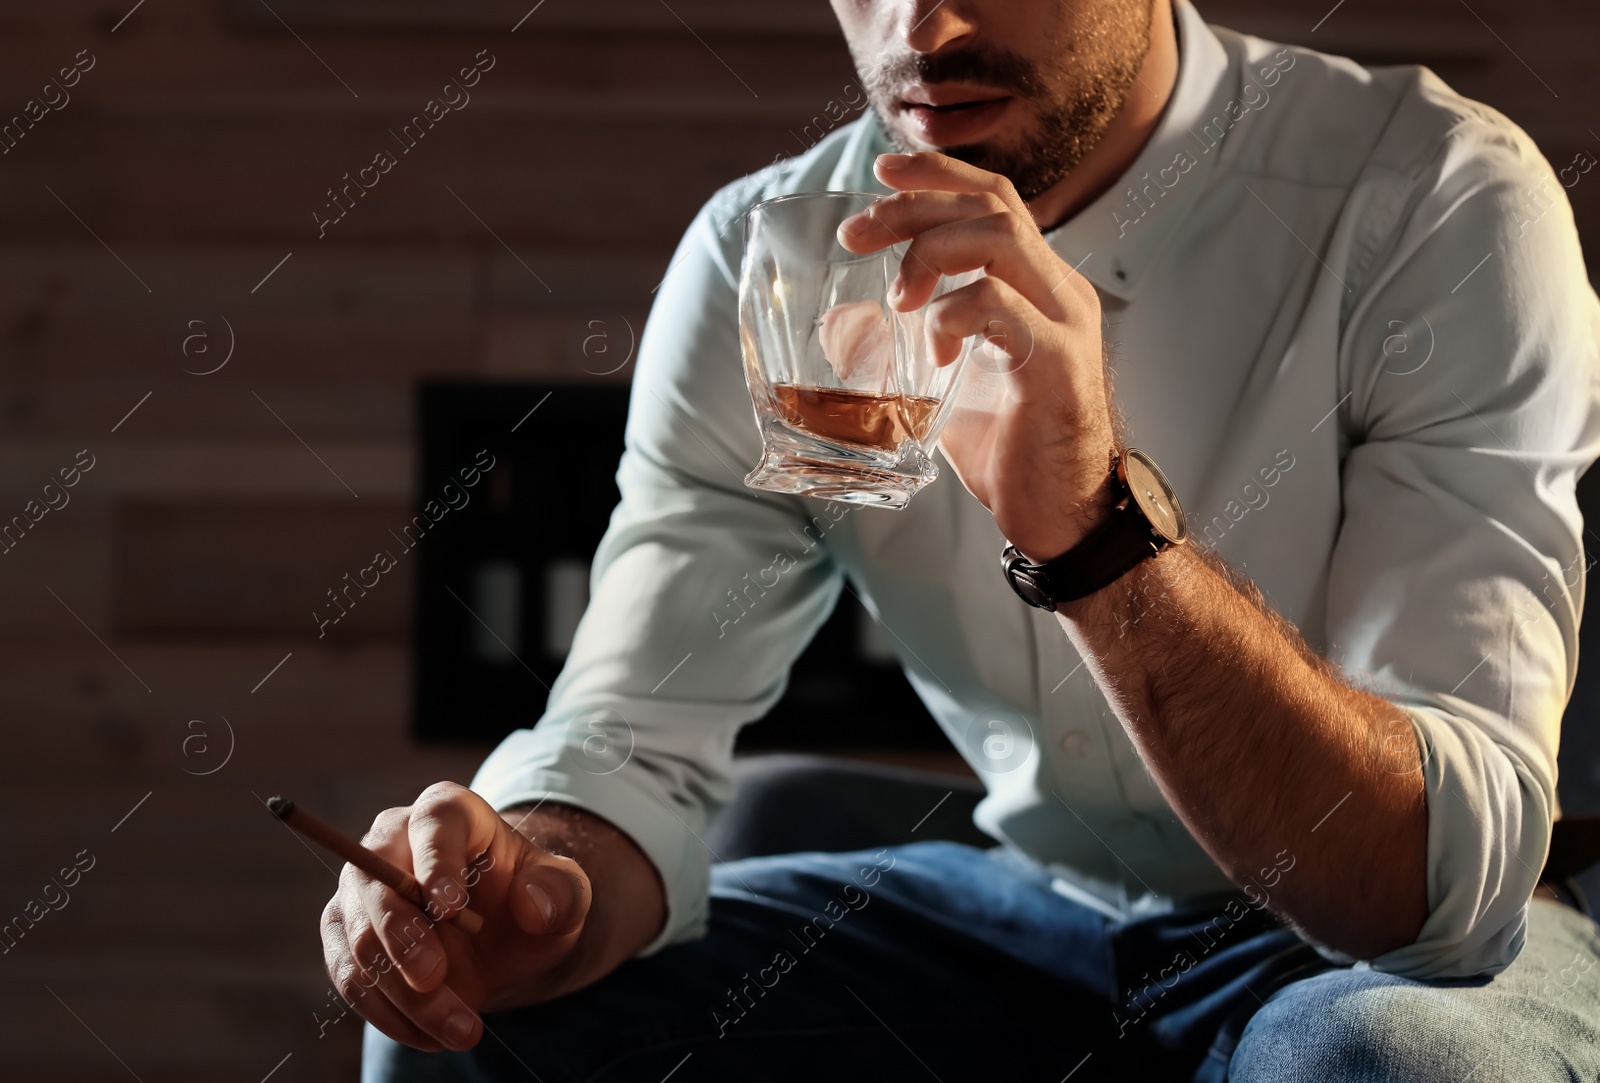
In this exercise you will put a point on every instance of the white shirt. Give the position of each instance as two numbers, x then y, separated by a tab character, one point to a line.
1350	320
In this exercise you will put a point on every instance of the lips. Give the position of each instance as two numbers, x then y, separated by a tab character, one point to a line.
945	115
942	94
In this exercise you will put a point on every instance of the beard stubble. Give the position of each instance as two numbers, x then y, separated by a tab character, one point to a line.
1072	101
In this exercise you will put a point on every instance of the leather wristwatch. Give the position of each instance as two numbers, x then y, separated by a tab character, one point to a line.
1146	519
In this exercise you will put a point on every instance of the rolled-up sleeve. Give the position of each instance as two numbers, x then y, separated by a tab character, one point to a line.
702	594
1457	581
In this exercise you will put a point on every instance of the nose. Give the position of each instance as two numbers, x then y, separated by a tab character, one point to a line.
935	25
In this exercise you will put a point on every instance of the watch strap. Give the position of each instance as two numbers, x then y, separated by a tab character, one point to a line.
1114	548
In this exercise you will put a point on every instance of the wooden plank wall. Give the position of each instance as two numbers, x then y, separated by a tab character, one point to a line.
140	622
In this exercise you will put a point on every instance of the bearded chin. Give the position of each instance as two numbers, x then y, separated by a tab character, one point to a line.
1032	170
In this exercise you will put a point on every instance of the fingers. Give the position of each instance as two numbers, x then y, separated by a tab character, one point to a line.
933	189
358	986
358	957
959	218
929	169
994	243
448	828
404	932
896	218
550	894
972	309
437	1017
989	308
385	956
1013	333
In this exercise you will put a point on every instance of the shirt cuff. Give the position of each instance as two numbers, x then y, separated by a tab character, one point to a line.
1488	833
506	779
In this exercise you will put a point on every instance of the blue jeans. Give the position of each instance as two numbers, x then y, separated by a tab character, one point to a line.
937	960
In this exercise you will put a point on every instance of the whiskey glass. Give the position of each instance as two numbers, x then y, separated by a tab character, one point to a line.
847	397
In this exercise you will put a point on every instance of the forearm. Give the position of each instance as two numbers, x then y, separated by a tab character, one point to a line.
628	907
1261	747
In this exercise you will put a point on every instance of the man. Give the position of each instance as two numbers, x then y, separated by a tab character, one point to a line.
1346	311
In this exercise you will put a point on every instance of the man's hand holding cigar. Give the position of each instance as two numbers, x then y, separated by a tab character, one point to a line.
564	896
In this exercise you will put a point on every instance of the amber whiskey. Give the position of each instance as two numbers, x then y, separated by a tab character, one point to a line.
865	418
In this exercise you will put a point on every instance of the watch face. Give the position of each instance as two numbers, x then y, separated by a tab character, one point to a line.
1153	493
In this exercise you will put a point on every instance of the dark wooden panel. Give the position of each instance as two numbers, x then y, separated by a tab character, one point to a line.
714	17
332	341
74	308
186	71
217	416
329	722
247	568
540	181
205	469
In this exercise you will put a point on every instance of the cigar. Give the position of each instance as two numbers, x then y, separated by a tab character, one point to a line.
374	865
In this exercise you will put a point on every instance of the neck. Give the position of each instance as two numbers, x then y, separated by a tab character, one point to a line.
1127	133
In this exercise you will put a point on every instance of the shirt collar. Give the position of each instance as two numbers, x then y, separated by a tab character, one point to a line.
1113	240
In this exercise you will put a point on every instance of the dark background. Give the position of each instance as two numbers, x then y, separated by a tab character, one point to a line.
140	623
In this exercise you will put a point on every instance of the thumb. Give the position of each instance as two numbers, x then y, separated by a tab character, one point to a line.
550	894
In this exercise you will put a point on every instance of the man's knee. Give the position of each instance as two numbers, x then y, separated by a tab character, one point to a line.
1364	1026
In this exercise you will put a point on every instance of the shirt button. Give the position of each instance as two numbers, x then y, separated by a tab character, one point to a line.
1075	743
